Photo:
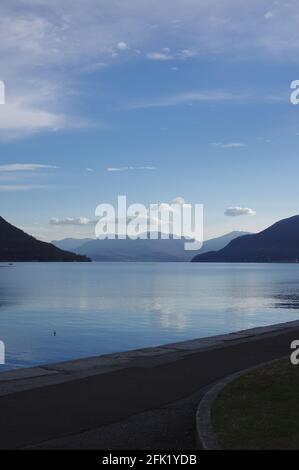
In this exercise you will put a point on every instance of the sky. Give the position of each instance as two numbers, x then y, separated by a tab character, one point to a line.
152	99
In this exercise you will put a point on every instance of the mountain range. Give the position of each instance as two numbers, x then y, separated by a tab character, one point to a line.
141	249
16	245
278	243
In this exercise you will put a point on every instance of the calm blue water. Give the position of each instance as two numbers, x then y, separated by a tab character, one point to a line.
101	308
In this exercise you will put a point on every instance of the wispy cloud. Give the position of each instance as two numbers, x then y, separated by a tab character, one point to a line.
237	211
229	145
204	96
186	98
15	167
56	31
184	54
122	46
131	168
269	15
36	40
160	56
166	54
73	221
19	187
17	121
94	67
29	113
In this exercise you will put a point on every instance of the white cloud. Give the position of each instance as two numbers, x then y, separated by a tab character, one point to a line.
89	170
24	167
186	98
268	15
237	211
27	113
186	54
263	139
19	187
189	98
130	168
17	120
122	46
72	221
160	56
229	145
166	55
94	67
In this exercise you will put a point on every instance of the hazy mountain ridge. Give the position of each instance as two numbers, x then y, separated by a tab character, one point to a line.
70	244
171	250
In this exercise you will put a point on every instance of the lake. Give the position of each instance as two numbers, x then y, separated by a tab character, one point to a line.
56	312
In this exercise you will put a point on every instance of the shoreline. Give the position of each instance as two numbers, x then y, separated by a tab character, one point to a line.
28	378
104	402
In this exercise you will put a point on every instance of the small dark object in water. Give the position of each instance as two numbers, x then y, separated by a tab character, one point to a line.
54	333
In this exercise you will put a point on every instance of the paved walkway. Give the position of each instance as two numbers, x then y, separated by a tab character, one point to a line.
141	400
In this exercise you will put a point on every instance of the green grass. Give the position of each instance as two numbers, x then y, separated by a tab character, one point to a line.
260	410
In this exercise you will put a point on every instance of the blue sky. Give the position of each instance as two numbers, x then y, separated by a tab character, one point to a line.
186	99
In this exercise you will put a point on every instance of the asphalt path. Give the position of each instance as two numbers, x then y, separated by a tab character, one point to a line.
146	407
